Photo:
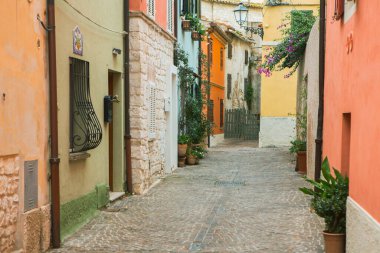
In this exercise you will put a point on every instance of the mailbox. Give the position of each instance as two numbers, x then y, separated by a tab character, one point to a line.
108	109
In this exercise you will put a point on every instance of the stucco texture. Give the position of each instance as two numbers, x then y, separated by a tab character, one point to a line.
351	86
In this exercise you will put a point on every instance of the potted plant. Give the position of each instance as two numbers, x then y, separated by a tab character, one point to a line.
329	196
183	140
191	157
299	148
186	22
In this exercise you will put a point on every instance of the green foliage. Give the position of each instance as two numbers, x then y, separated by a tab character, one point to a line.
248	96
297	146
289	52
329	197
193	122
183	139
195	23
199	152
274	2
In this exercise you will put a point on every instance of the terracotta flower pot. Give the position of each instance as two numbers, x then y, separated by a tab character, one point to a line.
196	160
181	162
301	162
195	35
182	150
334	243
191	160
186	25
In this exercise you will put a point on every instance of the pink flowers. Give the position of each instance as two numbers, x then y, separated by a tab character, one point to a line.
265	71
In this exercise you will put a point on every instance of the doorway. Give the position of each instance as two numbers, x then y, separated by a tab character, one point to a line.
110	135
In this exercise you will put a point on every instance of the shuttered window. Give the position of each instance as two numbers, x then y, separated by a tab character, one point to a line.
246	57
211	110
221	123
170	16
152	111
221	58
151	8
229	51
229	86
339	9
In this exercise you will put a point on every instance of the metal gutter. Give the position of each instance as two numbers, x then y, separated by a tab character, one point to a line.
322	49
53	108
127	133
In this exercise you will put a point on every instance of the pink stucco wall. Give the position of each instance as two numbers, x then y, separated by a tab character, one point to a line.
352	86
161	17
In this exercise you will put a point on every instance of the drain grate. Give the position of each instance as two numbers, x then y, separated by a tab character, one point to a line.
230	183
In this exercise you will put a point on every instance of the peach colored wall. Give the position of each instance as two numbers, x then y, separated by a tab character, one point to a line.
161	17
217	74
352	86
24	81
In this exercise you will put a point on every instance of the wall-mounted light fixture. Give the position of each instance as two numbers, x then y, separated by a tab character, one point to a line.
116	51
241	17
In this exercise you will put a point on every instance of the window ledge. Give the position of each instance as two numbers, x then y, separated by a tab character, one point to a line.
79	156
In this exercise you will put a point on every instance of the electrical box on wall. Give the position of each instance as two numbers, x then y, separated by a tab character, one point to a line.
107	109
167	104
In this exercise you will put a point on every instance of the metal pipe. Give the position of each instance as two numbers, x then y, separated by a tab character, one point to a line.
127	134
322	48
209	84
54	159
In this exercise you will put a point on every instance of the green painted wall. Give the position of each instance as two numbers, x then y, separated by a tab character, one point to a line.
76	213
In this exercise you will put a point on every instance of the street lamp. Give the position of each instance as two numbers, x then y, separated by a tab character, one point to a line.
241	17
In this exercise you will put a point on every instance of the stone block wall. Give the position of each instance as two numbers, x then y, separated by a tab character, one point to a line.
151	57
9	201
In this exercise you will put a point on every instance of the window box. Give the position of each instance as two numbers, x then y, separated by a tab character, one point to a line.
195	35
186	25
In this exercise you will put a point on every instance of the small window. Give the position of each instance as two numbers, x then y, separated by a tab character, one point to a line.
229	85
85	129
151	8
170	15
246	57
221	58
152	111
229	51
245	86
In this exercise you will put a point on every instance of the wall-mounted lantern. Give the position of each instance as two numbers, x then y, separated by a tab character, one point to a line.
241	17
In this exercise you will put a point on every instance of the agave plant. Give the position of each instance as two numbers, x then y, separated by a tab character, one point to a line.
329	197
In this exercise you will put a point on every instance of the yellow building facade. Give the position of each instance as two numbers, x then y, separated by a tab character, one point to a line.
279	94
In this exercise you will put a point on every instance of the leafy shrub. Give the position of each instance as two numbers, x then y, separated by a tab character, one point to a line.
297	146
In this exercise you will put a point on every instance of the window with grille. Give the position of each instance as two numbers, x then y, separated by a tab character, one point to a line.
190	6
221	58
85	128
170	16
229	85
246	57
229	51
151	8
152	111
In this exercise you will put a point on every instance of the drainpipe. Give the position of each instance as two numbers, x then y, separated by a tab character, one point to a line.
209	83
54	159
127	134
322	48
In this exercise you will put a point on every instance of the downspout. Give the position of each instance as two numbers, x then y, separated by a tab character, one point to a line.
209	84
54	159
322	48
127	134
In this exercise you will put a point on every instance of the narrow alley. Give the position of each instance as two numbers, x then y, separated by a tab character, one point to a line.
239	199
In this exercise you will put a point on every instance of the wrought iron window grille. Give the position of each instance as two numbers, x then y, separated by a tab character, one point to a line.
85	128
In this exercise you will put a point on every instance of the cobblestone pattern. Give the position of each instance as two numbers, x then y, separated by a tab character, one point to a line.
151	52
240	199
9	179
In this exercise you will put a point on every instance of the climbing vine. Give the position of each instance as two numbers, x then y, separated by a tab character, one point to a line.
289	52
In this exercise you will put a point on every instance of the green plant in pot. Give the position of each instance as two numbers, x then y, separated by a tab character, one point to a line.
183	141
298	147
329	197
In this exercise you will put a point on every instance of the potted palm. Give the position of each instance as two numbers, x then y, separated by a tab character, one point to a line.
299	148
329	196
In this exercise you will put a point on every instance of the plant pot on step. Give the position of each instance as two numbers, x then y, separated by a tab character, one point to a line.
334	243
301	162
182	150
186	26
181	161
191	160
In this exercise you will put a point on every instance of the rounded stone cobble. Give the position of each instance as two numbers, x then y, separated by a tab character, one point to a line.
239	199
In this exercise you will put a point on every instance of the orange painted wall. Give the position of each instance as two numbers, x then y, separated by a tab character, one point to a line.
217	73
24	82
352	86
161	10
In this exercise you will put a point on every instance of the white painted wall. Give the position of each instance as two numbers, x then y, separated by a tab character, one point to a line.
277	131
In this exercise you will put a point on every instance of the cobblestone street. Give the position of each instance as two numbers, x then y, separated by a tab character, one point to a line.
239	199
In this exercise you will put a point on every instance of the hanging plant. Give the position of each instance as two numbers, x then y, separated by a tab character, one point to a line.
289	52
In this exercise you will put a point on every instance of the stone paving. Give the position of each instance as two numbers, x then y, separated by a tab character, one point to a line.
239	199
